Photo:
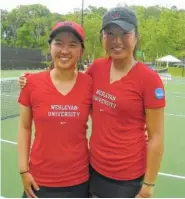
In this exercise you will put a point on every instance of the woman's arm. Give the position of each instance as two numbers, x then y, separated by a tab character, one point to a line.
24	137
155	129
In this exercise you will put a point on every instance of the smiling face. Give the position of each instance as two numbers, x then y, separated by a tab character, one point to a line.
66	50
118	43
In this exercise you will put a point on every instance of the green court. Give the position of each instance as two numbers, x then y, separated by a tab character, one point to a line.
14	73
171	179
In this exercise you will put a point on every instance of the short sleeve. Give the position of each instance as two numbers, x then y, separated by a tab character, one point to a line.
153	91
24	96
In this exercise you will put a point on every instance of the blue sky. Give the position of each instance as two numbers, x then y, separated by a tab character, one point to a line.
56	6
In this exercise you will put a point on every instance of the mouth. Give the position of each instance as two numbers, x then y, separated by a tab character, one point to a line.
117	49
64	58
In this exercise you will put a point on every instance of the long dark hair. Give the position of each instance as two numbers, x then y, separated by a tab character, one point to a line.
137	44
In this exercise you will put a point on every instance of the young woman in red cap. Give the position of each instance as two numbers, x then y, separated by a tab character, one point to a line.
128	98
57	164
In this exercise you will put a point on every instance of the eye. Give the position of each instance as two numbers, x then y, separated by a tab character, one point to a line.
58	43
72	45
109	33
125	33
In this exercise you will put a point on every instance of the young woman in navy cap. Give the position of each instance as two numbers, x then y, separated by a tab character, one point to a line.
128	98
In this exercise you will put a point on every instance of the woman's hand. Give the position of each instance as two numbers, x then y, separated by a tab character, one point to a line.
22	81
145	192
29	183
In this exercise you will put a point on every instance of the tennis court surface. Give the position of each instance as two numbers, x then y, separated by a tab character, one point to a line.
171	180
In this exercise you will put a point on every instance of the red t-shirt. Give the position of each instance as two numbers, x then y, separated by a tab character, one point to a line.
59	155
118	144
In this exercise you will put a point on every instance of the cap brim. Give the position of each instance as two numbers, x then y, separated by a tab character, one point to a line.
66	28
122	24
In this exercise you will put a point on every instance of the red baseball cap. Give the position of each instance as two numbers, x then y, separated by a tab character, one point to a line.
75	28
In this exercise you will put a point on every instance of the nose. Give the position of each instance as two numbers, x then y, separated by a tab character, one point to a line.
64	49
118	39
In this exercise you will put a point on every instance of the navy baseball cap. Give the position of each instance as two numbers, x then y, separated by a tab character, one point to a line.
121	16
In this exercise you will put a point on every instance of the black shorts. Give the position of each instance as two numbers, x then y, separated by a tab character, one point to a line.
77	191
103	187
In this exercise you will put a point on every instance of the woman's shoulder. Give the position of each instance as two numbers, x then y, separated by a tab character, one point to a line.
148	74
85	77
146	70
34	79
101	61
36	75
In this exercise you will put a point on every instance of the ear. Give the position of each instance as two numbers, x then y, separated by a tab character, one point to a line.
104	36
136	41
82	52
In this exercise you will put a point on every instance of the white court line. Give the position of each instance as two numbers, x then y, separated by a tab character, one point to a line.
179	96
178	80
178	84
7	141
176	93
176	115
9	95
172	176
162	174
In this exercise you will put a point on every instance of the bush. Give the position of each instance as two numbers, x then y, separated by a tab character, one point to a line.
174	71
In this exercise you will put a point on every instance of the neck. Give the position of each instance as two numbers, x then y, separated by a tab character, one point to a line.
125	64
63	75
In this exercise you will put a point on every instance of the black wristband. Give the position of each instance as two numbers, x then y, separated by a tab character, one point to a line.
24	172
148	184
142	195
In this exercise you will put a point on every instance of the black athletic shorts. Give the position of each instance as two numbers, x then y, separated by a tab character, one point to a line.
77	191
103	187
